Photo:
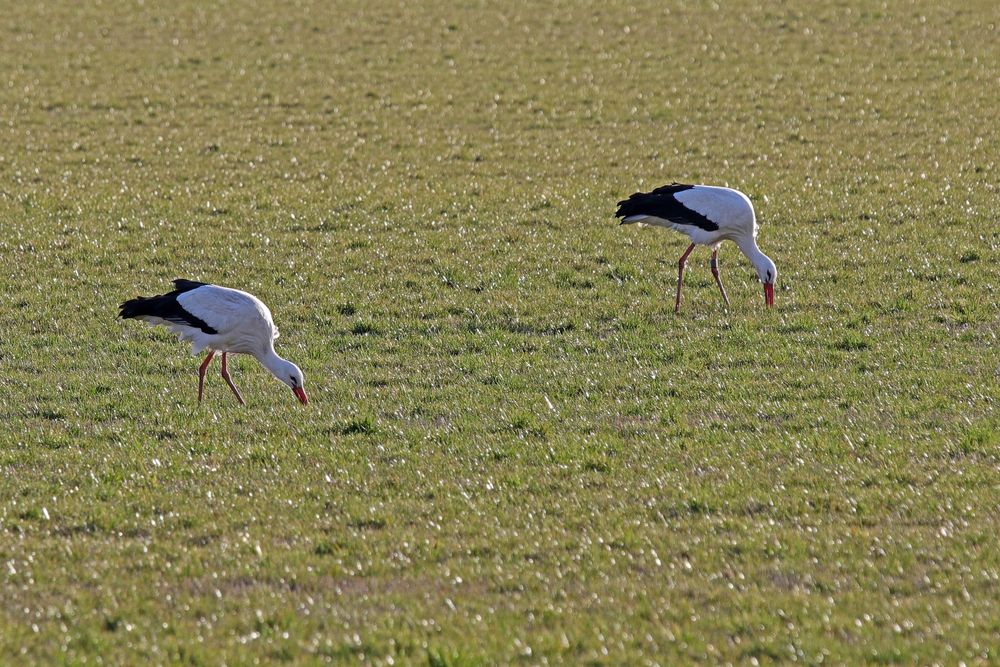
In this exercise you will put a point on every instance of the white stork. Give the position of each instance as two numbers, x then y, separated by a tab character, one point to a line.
709	215
218	319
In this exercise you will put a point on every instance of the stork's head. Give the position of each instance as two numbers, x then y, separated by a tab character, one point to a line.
291	375
766	270
768	274
298	383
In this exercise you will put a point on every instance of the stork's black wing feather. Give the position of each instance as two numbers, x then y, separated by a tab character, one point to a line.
661	203
166	307
182	285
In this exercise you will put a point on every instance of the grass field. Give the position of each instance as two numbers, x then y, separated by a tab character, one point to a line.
514	450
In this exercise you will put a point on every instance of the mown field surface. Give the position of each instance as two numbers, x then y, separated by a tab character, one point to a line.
515	451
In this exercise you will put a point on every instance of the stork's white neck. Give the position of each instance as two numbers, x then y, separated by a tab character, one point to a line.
750	249
760	261
275	364
284	370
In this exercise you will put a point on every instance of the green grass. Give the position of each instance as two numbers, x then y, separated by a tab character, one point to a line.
514	450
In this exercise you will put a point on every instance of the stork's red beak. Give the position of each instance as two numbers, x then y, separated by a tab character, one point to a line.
769	294
300	394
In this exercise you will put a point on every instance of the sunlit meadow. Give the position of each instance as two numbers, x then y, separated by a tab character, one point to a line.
514	450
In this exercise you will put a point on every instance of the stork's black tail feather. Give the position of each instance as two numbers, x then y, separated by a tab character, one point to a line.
135	307
635	205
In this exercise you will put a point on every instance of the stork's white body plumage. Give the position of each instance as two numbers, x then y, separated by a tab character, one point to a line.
730	209
218	319
708	215
244	324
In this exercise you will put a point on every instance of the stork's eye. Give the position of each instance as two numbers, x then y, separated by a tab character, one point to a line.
295	382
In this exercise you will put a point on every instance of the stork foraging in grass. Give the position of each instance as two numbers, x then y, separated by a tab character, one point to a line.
218	319
709	215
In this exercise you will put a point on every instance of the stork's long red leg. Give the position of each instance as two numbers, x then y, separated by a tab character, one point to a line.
201	373
680	276
229	380
718	278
